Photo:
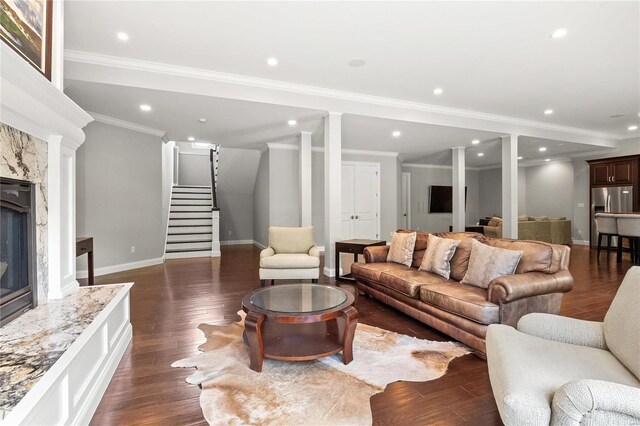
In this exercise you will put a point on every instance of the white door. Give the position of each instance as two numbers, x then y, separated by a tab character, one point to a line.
360	200
406	200
348	202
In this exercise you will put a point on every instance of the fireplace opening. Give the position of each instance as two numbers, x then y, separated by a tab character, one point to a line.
18	287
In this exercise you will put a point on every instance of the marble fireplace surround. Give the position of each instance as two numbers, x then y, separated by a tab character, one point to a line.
41	129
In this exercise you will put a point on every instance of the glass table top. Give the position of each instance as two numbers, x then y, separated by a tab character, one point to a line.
298	298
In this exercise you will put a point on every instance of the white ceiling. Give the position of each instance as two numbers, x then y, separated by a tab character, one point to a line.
231	123
493	57
251	125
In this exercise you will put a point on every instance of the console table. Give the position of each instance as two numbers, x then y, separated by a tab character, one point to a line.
84	245
356	247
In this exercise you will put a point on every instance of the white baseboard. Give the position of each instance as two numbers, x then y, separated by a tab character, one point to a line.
121	267
581	242
236	242
329	272
321	249
259	245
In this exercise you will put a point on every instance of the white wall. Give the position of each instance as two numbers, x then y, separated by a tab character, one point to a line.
284	193
119	195
421	179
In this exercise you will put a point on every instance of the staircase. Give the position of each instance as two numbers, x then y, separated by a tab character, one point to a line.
189	233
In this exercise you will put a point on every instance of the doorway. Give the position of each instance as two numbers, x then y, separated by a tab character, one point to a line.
360	200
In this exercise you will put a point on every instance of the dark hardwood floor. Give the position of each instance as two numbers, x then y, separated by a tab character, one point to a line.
169	301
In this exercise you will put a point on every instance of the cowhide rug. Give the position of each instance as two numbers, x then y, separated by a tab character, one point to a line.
322	392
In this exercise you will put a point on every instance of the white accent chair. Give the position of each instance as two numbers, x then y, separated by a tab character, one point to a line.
291	254
564	371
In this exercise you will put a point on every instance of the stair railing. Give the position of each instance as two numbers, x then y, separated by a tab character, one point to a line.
213	160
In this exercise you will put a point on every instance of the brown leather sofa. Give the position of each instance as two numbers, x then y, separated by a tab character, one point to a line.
462	311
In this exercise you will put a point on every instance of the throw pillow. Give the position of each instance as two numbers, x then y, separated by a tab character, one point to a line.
438	255
401	250
487	263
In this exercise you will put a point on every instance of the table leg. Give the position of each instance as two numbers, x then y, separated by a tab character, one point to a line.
90	266
337	260
253	330
351	321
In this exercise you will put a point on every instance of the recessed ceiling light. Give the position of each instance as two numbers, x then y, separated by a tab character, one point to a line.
632	128
548	111
475	141
191	139
145	107
547	159
202	120
519	158
272	62
480	154
437	91
559	33
396	133
292	122
357	63
542	149
123	36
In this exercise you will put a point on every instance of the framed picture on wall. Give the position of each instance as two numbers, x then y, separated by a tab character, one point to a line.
25	25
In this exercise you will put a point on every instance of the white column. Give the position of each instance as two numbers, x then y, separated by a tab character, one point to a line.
305	178
510	186
459	207
61	207
215	233
332	187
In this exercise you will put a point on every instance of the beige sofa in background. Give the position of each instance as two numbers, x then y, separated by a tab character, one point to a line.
555	230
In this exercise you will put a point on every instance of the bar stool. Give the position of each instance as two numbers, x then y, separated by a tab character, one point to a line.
629	227
606	226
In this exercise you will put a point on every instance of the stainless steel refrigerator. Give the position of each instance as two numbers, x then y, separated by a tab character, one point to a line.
610	199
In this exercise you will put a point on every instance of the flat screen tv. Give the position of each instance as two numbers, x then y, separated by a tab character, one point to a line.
441	199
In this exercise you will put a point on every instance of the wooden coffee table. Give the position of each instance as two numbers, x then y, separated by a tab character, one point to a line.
299	322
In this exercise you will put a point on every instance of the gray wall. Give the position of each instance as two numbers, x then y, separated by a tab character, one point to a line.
278	172
261	201
549	190
491	191
119	195
236	180
194	168
237	170
421	179
284	187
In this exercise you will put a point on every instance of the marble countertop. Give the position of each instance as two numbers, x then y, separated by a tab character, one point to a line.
32	343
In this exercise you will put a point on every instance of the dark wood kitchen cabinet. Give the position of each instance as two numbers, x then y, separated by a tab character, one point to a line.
614	171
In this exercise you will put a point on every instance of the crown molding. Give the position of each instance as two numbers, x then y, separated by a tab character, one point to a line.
262	83
287	147
127	125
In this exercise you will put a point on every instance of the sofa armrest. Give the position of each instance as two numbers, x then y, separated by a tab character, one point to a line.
376	254
613	403
313	251
563	329
267	252
493	231
519	286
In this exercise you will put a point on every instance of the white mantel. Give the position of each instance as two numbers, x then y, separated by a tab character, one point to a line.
32	104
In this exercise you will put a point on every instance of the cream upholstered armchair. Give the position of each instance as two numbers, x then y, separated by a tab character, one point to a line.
563	371
292	254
